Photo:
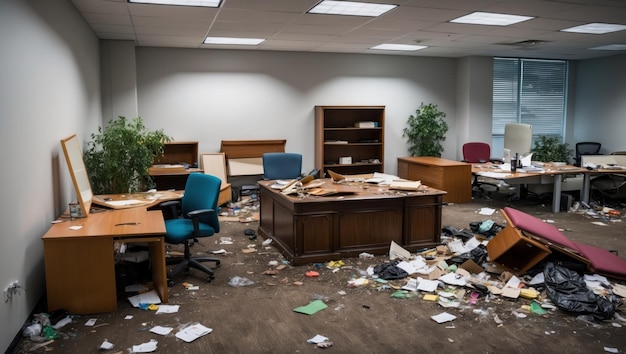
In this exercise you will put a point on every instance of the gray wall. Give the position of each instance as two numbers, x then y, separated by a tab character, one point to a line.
210	95
50	89
600	105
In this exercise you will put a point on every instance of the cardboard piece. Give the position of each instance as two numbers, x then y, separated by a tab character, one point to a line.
471	267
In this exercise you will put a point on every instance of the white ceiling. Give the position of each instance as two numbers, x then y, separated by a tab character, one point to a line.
287	27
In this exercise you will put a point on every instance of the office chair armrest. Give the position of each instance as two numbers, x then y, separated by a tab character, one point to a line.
195	215
169	209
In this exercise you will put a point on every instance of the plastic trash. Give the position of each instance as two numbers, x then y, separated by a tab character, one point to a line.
237	281
32	330
569	292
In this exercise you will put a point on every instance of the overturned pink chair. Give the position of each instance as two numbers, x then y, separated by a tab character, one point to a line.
597	260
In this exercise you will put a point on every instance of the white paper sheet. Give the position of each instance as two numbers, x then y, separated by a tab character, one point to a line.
443	317
193	332
150	297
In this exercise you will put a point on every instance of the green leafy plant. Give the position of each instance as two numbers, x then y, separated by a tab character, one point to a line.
426	130
551	149
119	156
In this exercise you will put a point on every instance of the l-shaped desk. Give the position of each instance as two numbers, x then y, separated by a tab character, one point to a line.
548	175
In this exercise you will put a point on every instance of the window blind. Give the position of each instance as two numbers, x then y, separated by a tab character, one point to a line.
529	91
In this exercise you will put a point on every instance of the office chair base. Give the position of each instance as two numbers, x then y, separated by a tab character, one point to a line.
185	265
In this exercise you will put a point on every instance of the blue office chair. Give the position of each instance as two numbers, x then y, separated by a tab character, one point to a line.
282	165
199	219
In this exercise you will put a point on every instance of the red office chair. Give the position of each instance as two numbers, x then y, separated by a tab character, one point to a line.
477	152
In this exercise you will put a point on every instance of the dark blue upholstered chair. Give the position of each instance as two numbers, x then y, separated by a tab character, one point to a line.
281	165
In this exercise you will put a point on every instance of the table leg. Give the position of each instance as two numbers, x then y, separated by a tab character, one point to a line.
586	188
556	194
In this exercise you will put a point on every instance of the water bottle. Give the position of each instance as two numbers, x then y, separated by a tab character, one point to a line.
514	163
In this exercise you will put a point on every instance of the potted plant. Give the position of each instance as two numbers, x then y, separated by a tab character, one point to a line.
551	149
426	130
118	156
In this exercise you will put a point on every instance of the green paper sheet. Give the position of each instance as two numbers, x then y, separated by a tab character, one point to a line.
311	308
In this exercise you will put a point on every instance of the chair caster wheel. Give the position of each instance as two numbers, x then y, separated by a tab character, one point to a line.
170	283
209	279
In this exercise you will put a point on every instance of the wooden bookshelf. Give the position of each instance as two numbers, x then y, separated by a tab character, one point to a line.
354	132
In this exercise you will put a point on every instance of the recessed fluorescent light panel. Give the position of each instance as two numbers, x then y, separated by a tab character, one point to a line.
233	40
399	47
351	8
595	28
611	47
491	19
204	3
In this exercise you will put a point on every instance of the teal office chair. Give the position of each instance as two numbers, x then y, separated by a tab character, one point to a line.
199	219
282	165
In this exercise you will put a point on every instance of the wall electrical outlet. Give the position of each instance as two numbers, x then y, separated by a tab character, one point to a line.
14	288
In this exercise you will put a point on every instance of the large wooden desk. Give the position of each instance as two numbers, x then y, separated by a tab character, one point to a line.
550	174
454	177
319	229
80	265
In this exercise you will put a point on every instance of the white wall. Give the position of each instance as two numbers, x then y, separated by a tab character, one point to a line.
212	95
474	102
49	65
600	106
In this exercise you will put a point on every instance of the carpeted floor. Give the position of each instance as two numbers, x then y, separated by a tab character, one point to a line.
357	318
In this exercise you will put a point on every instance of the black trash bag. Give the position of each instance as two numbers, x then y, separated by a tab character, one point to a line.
568	291
478	255
487	228
390	271
453	232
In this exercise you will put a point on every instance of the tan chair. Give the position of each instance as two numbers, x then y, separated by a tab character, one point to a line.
518	138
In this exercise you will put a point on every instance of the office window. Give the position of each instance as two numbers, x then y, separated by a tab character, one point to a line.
528	91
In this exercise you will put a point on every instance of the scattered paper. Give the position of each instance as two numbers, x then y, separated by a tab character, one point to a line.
147	347
150	297
427	285
411	267
76	227
486	211
509	292
453	279
106	345
443	317
161	330
317	339
167	309
90	322
311	308
619	290
513	282
193	332
411	285
537	279
396	251
599	223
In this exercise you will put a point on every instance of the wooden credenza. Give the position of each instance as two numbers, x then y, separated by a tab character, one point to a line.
454	177
320	229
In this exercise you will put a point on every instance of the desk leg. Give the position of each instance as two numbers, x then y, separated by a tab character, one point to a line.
586	188
159	270
556	194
